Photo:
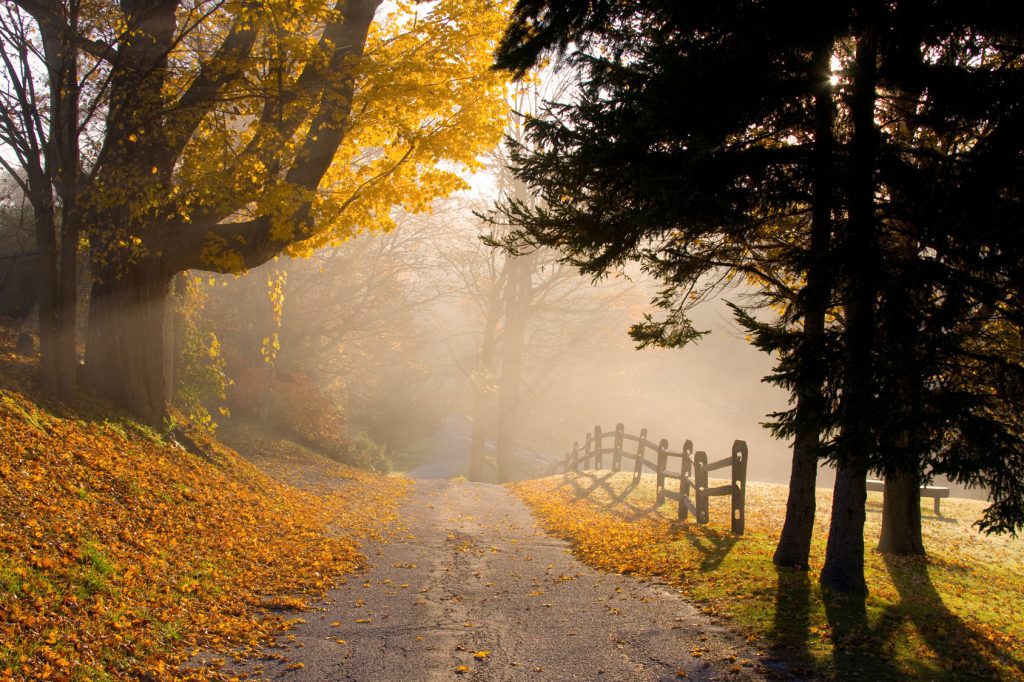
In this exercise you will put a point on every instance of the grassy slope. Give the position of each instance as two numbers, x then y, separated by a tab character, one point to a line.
121	553
955	615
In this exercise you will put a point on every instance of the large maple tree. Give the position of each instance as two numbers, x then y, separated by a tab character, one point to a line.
238	131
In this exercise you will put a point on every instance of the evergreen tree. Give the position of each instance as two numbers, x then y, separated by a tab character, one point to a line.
952	91
705	145
702	146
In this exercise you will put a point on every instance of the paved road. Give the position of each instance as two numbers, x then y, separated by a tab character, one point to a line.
470	589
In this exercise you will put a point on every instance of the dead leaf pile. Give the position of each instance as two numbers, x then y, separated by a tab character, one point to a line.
121	553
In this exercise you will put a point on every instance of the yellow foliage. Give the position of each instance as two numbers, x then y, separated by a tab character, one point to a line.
275	294
426	106
417	108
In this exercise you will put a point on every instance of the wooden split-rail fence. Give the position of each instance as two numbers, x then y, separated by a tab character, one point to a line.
691	471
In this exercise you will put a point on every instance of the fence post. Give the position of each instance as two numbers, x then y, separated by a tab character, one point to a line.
684	480
638	467
597	448
700	465
685	483
573	463
586	452
617	456
739	484
662	463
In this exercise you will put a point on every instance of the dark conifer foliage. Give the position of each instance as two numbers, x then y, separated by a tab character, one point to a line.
687	147
879	212
950	312
704	150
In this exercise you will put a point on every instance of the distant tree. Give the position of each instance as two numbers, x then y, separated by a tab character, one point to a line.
529	313
513	295
354	326
484	275
51	95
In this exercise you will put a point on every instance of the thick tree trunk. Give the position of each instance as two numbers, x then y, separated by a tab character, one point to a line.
844	555
125	350
794	547
49	297
65	160
901	515
125	343
67	355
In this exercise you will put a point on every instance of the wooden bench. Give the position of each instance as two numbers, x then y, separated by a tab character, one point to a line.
935	492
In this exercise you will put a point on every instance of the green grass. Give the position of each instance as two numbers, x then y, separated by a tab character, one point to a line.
14	405
10	582
94	571
954	615
168	633
92	674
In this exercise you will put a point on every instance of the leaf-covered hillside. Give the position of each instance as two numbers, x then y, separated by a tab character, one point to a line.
122	552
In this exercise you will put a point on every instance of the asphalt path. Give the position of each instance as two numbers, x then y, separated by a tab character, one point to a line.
469	588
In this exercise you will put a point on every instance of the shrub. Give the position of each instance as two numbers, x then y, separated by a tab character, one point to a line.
200	379
361	451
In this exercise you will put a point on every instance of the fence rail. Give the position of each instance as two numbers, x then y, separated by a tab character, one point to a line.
691	472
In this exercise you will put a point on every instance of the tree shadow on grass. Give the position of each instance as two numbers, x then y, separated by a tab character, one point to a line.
791	626
855	646
711	543
864	652
966	654
796	606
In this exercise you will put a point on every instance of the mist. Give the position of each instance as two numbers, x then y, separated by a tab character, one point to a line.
387	332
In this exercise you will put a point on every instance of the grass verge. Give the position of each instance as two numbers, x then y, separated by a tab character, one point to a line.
952	616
